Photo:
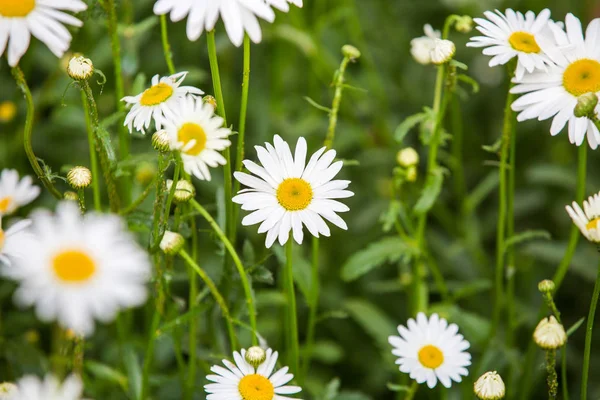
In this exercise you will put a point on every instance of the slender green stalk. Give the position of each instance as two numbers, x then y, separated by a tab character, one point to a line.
93	155
149	355
158	202
552	379
81	200
27	134
458	171
164	33
238	263
291	303
193	331
412	391
563	373
588	338
143	196
78	355
337	100
313	305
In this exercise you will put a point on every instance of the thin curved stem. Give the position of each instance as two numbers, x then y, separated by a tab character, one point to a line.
164	34
588	338
291	303
337	100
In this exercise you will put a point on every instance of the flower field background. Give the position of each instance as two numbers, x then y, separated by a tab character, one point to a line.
366	273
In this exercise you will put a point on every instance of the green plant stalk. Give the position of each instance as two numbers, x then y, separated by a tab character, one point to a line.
460	188
149	354
17	73
313	305
158	202
238	263
588	338
93	155
165	217
78	355
143	196
337	100
412	391
552	379
81	200
563	373
193	331
291	303
164	34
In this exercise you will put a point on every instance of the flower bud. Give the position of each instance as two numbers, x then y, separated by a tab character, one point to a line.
411	174
8	390
550	334
489	386
184	191
171	243
80	68
8	111
442	52
161	142
145	172
407	157
210	100
546	286
255	356
586	105
350	52
79	177
71	196
464	24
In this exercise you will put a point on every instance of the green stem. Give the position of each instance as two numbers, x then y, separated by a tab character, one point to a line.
238	264
337	100
552	379
313	305
291	302
131	207
588	338
563	373
158	202
149	355
27	134
164	33
81	200
510	252
193	332
93	155
412	391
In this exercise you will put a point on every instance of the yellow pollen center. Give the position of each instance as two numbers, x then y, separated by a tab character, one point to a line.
431	356
582	76
156	94
5	202
294	194
16	8
2	239
256	387
190	131
593	224
8	110
73	266
523	41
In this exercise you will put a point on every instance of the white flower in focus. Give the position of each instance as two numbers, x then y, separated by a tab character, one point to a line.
421	47
550	334
239	16
198	134
431	350
13	241
15	192
243	381
588	218
512	35
442	52
285	193
79	268
158	103
32	388
80	68
19	19
490	386
555	93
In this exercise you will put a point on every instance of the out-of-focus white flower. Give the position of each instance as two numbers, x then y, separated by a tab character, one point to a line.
15	192
32	388
13	241
421	47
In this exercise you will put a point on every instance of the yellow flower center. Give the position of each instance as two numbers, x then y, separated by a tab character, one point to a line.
523	41
294	194
8	110
256	387
73	266
593	224
5	202
16	8
2	239
431	356
190	131
582	76
156	94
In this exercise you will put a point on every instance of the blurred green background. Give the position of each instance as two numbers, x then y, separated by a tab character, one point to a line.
297	58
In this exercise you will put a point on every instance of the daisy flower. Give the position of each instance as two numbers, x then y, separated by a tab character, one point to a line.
79	268
15	192
285	193
554	93
13	241
421	47
588	218
513	34
19	19
431	350
30	387
159	102
243	381
198	134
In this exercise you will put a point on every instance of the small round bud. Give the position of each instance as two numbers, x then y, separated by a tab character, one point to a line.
546	286
79	177
464	24
550	334
489	386
184	191
161	142
80	68
8	390
31	336
411	174
171	243
442	52
407	157
351	52
145	172
8	111
255	356
586	105
71	196
210	100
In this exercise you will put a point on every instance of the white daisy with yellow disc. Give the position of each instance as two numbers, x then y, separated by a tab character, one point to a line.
159	102
19	19
555	93
30	387
587	219
13	241
199	135
78	269
431	350
15	192
285	193
512	35
244	381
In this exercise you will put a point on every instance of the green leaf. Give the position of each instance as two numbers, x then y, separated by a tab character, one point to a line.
470	288
389	217
409	123
526	236
332	314
431	191
493	148
397	388
458	65
482	191
317	105
575	326
105	373
372	320
332	389
351	395
134	373
328	352
467	79
389	249
262	275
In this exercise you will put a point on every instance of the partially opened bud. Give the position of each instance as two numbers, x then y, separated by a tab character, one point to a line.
160	141
546	286
490	386
550	334
171	243
71	196
442	52
586	105
184	191
351	52
80	68
407	157
255	356
464	24
79	177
